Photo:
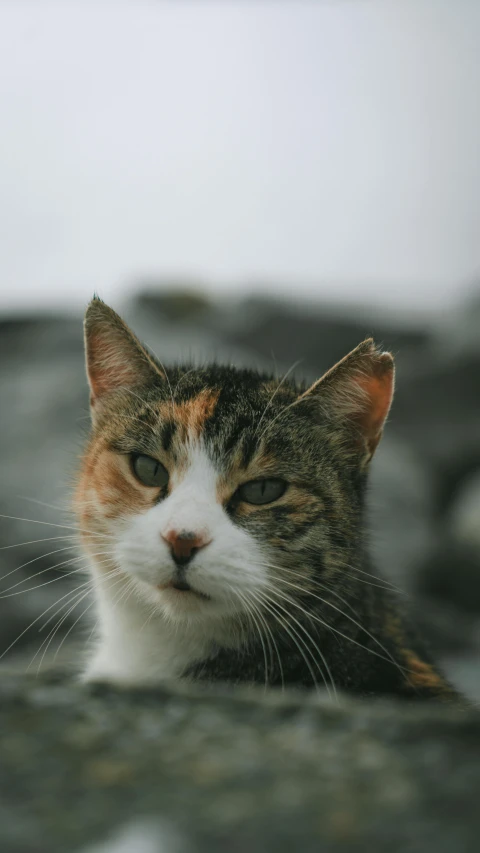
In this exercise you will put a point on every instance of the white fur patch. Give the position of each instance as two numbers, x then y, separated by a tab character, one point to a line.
149	633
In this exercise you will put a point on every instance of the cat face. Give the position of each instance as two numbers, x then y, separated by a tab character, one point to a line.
213	489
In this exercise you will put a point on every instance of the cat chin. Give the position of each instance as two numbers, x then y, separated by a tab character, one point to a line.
184	605
179	606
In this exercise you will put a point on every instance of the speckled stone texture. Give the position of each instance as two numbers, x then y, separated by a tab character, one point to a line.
227	772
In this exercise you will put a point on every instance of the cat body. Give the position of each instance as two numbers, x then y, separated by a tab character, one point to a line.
222	513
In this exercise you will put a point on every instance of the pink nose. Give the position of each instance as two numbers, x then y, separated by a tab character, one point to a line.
184	545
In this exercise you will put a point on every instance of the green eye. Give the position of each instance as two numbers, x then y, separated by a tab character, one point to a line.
262	491
149	471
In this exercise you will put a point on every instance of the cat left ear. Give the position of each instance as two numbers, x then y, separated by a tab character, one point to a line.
115	358
358	389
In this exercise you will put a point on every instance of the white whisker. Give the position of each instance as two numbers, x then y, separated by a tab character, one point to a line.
35	541
51	524
277	389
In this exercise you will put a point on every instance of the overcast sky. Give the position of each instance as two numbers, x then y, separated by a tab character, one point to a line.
332	145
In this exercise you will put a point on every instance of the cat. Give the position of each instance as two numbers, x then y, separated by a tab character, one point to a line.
222	514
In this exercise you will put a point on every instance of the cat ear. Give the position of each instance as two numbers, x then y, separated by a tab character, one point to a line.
359	389
115	358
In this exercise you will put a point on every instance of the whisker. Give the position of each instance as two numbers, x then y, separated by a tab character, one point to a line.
34	560
293	634
259	631
42	503
37	619
382	582
166	377
318	650
385	584
79	597
137	396
35	541
49	569
272	638
51	524
277	389
40	585
187	372
82	614
389	658
270	633
153	612
277	416
140	421
80	594
109	575
314	582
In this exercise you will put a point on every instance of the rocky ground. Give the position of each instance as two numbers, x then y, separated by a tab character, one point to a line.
209	772
172	771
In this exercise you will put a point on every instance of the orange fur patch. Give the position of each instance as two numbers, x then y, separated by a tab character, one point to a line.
421	675
418	673
393	627
191	415
108	489
378	390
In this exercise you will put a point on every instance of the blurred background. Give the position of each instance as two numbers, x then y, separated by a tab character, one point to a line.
264	183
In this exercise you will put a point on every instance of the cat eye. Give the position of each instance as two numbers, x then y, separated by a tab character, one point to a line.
149	471
262	491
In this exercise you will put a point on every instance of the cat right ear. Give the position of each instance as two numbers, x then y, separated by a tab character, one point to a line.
115	358
358	390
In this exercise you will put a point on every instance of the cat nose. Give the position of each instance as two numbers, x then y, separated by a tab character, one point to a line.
184	545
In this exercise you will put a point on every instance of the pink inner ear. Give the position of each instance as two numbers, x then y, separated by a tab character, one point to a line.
378	390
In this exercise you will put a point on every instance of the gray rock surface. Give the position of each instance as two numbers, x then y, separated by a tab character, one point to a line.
90	769
464	515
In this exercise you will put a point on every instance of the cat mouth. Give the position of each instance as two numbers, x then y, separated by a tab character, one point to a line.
182	587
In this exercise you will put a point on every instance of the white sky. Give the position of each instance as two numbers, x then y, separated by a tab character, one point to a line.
303	143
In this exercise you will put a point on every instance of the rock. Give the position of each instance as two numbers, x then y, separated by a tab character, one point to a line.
401	502
452	573
464	514
452	569
229	771
437	411
319	335
176	304
437	407
143	836
455	334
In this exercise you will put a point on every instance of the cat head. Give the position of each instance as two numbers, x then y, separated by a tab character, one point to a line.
209	487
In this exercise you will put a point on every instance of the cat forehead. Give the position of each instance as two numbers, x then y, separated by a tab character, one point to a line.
192	398
230	414
186	383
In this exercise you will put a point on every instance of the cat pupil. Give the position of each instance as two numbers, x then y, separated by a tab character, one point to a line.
149	471
262	491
